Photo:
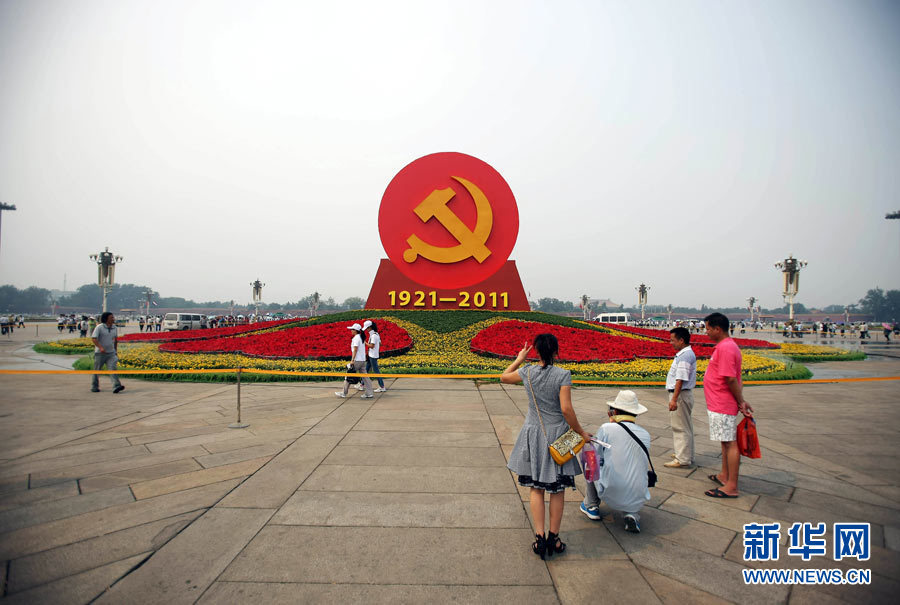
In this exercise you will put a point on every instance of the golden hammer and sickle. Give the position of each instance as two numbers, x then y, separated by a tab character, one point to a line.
471	243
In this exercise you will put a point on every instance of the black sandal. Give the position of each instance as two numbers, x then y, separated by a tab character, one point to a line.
554	544
539	546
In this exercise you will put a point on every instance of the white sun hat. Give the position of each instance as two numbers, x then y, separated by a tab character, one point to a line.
627	401
355	327
366	324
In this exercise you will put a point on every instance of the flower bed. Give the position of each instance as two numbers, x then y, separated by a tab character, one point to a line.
696	339
324	342
800	352
436	342
505	339
179	335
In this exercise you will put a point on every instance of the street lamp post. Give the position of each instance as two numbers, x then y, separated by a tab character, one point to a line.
642	297
149	294
313	304
106	271
5	207
669	311
790	267
585	305
750	302
257	294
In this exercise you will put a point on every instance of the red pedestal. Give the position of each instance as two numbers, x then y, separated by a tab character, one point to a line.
502	291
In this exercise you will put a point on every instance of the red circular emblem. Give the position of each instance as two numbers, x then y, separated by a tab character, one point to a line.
448	220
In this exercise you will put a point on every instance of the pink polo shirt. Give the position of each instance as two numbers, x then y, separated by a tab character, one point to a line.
726	361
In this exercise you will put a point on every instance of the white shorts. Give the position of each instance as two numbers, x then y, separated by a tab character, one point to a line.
722	427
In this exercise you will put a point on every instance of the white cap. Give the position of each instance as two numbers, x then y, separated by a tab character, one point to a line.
366	324
355	327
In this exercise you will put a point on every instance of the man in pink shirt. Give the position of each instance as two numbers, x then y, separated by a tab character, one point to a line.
723	390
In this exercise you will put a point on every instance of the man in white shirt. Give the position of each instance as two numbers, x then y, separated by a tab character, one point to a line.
623	466
680	383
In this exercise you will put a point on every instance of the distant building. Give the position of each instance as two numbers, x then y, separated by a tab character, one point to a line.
597	304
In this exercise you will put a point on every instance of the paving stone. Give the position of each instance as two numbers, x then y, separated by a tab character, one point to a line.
272	485
362	455
703	571
438	416
696	488
504	407
870	512
44	512
89	525
72	559
184	442
417	556
175	483
14	483
586	540
77	589
809	595
671	591
452	426
426	439
91	484
40	494
342	419
608	581
436	479
885	566
227	593
185	567
507	428
791	512
681	530
711	511
401	510
240	455
891	538
35	467
114	466
150	436
72	450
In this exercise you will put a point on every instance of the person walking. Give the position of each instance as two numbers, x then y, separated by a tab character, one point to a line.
106	349
680	383
358	360
723	389
141	323
550	414
373	346
622	483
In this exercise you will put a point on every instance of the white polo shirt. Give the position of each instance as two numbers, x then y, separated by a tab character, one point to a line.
684	368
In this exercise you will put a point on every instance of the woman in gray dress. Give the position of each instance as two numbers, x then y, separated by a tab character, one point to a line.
549	388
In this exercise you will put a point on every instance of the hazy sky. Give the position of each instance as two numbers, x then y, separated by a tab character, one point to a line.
688	145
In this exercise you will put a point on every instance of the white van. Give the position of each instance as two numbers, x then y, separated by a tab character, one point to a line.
613	318
182	321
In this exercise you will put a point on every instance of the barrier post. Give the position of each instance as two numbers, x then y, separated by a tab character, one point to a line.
35	329
238	424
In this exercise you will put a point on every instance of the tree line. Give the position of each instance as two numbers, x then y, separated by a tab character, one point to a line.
881	305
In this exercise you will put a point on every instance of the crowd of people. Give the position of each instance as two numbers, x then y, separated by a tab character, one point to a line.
8	322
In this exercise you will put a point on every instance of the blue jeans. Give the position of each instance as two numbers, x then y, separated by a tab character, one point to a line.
372	366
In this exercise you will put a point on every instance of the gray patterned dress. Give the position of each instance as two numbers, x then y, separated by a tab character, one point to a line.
530	458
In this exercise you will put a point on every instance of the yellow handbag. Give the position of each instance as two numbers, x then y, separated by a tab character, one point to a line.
566	445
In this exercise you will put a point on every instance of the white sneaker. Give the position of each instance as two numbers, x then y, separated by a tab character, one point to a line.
366	396
380	390
340	394
360	387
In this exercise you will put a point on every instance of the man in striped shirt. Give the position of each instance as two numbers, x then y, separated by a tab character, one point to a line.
680	384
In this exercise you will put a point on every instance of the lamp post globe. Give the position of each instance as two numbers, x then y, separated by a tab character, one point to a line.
106	271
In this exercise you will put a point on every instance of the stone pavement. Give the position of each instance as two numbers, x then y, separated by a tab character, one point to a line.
148	497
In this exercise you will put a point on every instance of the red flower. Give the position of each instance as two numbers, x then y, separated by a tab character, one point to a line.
696	339
505	339
322	341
